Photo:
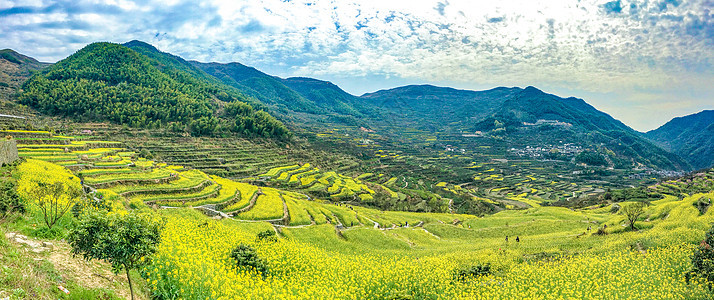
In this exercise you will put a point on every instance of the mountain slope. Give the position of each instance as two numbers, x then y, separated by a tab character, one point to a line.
435	108
298	100
268	89
520	118
325	95
691	137
15	68
110	82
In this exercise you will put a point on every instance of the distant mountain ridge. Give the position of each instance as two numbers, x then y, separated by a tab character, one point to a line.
507	113
691	137
518	116
15	68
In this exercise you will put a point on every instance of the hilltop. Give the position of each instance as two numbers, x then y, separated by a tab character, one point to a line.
691	137
110	82
15	68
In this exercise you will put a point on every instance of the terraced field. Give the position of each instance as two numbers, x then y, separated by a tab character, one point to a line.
313	180
120	174
393	254
234	158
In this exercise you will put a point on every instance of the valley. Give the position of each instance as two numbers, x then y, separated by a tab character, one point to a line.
291	188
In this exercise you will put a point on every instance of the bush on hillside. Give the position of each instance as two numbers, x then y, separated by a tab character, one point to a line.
247	258
464	273
9	200
267	236
702	205
703	260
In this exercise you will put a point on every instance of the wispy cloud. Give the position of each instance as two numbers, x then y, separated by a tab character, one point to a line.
607	47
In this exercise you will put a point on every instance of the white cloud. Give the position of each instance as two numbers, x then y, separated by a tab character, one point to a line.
594	46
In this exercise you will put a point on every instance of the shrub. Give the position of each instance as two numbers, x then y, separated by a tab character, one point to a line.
90	203
464	273
145	154
702	205
246	258
9	200
703	260
267	236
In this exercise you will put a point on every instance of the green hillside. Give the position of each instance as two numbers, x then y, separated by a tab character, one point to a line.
110	82
517	117
15	68
691	137
268	89
310	248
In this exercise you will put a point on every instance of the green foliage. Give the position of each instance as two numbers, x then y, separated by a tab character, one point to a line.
246	257
691	137
466	272
105	81
146	154
702	204
632	212
703	259
9	200
591	158
90	203
267	236
632	194
125	241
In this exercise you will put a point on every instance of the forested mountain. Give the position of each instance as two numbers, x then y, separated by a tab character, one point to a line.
298	100
325	95
111	82
15	68
520	117
268	89
691	137
138	85
435	108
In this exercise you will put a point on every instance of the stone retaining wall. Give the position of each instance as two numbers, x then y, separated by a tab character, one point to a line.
8	152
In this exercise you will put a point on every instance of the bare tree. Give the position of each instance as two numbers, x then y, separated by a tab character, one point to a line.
633	212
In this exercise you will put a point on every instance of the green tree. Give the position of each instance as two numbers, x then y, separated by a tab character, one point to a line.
633	212
54	199
246	257
9	200
121	240
703	259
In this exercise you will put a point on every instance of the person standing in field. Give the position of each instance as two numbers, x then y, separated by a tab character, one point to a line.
517	239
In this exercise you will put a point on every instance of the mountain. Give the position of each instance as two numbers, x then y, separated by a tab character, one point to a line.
15	68
691	137
519	117
138	85
435	108
111	82
325	95
268	89
298	100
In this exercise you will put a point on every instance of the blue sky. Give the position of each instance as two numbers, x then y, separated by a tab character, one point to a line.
642	61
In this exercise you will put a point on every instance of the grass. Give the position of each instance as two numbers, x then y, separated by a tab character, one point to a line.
268	206
180	197
188	179
246	192
116	176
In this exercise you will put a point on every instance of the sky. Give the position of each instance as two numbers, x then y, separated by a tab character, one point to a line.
642	61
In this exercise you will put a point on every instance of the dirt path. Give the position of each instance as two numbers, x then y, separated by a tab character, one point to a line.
90	273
